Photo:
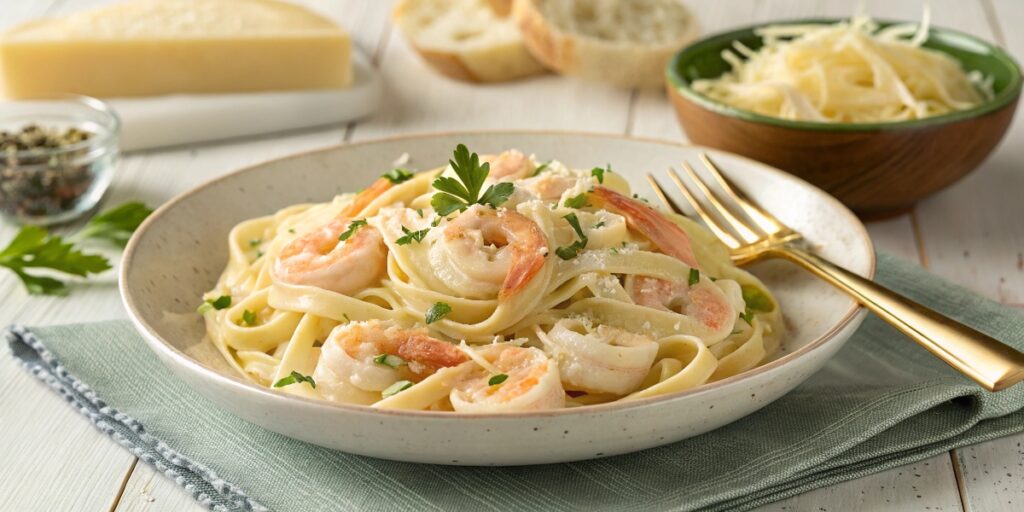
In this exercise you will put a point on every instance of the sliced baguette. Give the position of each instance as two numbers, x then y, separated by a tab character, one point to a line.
623	43
466	40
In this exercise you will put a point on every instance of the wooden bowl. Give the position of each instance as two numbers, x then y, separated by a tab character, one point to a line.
876	169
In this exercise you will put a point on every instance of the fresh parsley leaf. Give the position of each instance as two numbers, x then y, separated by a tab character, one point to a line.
599	225
352	227
541	168
114	225
445	204
576	202
35	247
392	361
436	222
437	311
694	277
458	194
295	378
248	318
497	194
396	388
497	379
756	299
222	302
598	172
397	175
411	236
571	251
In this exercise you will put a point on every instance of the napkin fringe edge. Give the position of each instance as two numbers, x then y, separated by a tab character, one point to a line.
124	429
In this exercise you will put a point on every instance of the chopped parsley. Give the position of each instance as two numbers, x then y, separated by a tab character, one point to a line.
255	242
419	211
748	317
694	277
396	388
571	251
291	230
248	318
411	236
458	194
437	312
497	379
599	225
397	175
352	227
294	378
436	222
389	360
541	168
598	172
347	319
222	302
576	202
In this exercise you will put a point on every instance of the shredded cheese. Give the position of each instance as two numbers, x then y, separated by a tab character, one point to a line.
850	72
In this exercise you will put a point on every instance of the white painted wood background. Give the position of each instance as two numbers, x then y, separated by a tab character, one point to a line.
52	459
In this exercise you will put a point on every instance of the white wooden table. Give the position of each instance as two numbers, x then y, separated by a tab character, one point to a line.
51	458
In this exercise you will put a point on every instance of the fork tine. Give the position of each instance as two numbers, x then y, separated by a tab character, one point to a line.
766	221
712	223
666	201
741	227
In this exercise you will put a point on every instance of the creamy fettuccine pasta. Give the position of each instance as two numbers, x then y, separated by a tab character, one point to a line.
494	284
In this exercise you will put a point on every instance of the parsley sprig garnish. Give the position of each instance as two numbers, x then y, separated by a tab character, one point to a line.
114	225
295	378
33	247
352	228
569	252
411	236
459	194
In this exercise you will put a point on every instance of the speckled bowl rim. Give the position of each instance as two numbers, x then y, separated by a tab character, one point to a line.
159	344
681	86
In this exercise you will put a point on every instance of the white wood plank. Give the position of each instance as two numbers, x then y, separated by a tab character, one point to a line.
925	485
973	235
54	459
148	490
153	177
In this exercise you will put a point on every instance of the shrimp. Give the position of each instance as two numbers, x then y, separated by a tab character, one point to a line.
320	258
714	305
665	234
602	360
509	165
485	251
532	383
549	186
348	364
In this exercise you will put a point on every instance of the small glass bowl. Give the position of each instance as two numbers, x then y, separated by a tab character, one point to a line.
52	185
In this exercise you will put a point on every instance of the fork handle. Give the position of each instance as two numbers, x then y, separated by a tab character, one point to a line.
990	363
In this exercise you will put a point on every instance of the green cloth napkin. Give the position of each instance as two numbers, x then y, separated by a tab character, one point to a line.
880	403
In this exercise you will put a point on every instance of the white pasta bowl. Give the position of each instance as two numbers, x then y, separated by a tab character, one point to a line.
179	252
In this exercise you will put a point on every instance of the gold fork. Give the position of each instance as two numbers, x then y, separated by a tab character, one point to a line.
752	234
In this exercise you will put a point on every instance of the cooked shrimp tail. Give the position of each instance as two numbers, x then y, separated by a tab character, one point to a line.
654	225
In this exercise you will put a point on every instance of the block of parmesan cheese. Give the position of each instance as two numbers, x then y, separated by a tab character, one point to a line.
156	47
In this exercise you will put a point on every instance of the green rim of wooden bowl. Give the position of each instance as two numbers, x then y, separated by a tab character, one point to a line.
703	59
